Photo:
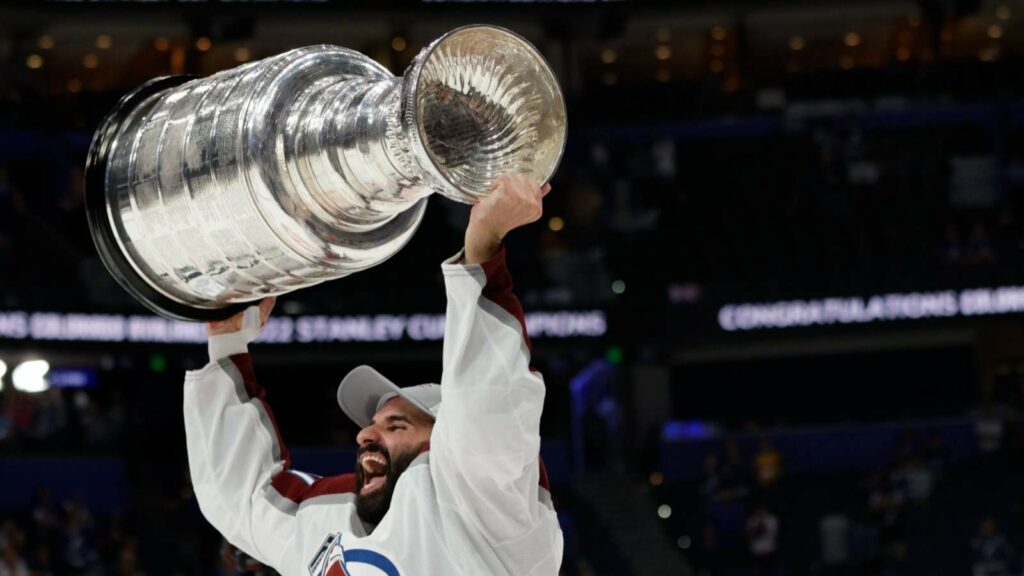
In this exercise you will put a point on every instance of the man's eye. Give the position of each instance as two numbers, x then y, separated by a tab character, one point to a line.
393	428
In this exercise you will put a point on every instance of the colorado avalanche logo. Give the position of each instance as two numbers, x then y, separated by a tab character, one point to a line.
333	560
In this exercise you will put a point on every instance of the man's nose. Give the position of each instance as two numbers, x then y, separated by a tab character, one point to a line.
368	435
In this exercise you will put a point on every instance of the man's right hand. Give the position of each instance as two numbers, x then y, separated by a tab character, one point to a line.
237	322
513	202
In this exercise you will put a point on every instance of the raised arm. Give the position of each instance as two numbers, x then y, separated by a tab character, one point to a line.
241	470
486	441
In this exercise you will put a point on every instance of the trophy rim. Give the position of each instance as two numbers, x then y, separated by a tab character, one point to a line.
101	228
448	188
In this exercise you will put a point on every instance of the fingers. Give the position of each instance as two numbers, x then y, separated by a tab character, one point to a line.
516	198
237	322
232	324
520	185
503	182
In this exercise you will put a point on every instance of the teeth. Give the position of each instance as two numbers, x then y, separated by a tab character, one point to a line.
375	458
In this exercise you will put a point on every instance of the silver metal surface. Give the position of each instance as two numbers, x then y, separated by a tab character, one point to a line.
316	163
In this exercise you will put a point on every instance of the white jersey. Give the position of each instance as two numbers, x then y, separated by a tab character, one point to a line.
476	503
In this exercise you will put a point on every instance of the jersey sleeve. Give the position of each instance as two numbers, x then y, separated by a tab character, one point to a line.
241	470
485	447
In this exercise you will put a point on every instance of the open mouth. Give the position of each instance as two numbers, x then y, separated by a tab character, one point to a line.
374	472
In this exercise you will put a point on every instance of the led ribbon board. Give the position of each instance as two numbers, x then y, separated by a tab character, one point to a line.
878	308
52	326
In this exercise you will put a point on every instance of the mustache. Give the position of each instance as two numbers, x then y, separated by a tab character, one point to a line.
367	448
373	447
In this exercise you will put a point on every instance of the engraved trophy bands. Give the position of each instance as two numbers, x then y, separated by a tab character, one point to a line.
206	194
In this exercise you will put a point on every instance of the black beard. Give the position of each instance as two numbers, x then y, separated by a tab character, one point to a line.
371	508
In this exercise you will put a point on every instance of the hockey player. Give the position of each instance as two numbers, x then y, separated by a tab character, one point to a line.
448	478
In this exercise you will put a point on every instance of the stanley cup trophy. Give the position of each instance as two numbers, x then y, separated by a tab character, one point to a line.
204	195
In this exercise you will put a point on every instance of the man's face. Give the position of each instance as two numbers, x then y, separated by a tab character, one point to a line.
394	438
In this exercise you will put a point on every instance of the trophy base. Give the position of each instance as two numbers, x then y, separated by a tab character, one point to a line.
99	223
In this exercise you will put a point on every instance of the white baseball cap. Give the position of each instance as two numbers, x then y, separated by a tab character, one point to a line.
364	390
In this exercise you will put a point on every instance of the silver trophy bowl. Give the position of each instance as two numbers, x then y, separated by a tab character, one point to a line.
204	195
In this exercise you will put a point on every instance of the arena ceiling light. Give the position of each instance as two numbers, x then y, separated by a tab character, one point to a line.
30	376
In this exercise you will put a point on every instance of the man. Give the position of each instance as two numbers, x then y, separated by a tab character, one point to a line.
448	479
990	552
763	539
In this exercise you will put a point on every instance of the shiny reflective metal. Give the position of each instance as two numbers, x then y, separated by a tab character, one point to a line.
207	194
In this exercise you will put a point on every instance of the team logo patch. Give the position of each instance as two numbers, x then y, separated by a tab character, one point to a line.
334	560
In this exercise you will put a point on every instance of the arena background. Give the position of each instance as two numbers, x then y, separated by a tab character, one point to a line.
776	290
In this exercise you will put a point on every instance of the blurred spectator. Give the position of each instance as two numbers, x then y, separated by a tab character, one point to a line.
886	503
11	536
989	429
12	563
864	543
44	533
19	409
913	475
919	480
725	535
763	540
991	555
49	416
834	530
99	425
79	552
734	474
44	516
767	464
12	541
710	477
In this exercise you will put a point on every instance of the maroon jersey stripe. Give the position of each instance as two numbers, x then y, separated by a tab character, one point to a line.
499	290
289	485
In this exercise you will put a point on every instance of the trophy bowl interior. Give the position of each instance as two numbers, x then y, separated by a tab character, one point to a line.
488	104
